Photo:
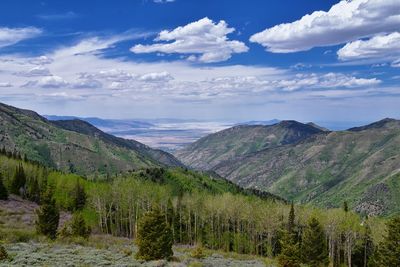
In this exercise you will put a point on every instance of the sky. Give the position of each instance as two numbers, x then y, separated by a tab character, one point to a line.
336	61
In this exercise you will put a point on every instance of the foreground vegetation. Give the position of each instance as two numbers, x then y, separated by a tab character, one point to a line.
200	211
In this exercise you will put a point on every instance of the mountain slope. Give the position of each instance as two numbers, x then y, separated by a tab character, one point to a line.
240	140
74	145
86	128
361	165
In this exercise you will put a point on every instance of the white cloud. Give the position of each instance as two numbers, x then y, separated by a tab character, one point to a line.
5	84
156	77
380	47
396	64
163	1
87	83
48	82
10	36
346	21
203	40
35	71
42	60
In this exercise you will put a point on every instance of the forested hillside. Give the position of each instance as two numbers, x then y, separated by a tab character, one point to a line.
198	208
360	165
74	146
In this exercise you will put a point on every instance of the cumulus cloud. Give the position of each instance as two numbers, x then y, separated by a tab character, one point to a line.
346	21
35	71
324	81
42	60
10	36
48	82
87	83
382	47
203	40
156	77
251	84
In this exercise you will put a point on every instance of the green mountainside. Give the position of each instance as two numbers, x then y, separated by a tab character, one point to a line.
241	140
74	146
361	165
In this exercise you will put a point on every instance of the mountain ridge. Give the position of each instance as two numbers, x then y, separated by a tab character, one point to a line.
323	168
58	144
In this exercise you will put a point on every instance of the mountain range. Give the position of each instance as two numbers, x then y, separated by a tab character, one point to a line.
295	161
307	163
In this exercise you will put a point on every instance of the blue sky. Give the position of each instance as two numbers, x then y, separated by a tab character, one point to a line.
212	60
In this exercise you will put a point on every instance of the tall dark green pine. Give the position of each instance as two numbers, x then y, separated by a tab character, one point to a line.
290	252
19	181
345	206
291	219
389	253
34	190
154	237
79	196
314	247
171	218
3	189
48	215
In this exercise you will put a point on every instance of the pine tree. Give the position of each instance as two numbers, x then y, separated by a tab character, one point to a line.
48	215
345	206
3	189
291	219
19	181
289	246
78	226
34	190
79	196
389	253
314	247
290	253
154	237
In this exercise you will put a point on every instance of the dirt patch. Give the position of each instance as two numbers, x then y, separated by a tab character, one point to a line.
17	212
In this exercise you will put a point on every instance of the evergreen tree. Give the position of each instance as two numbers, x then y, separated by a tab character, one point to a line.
79	196
290	253
19	181
78	226
48	215
291	219
154	237
289	246
34	190
3	189
345	206
389	253
314	247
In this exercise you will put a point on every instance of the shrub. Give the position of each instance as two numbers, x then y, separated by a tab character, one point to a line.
197	252
3	253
